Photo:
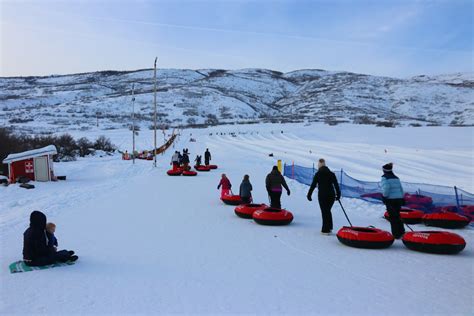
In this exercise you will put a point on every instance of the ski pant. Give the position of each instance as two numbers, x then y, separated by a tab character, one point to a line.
393	209
59	256
246	199
325	204
206	162
275	199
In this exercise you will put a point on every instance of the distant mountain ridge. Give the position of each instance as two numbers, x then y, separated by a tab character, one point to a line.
216	96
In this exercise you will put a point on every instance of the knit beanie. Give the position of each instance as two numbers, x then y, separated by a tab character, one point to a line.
388	167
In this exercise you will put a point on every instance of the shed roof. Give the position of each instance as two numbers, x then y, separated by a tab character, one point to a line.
48	150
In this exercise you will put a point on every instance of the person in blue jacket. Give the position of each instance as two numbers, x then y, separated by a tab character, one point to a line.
392	192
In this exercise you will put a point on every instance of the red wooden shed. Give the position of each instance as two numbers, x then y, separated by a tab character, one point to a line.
37	164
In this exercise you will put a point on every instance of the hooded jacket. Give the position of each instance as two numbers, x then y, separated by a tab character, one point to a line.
245	189
275	181
391	186
34	238
326	182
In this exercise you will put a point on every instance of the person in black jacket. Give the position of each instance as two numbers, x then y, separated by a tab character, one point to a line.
274	183
207	157
36	251
245	191
328	192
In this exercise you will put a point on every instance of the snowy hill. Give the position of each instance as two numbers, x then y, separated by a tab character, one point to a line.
209	96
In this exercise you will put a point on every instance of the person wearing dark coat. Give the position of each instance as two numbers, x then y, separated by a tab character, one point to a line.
245	191
185	161
328	192
36	251
207	157
198	160
274	183
392	192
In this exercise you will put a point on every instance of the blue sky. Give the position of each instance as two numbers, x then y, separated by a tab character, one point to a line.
391	38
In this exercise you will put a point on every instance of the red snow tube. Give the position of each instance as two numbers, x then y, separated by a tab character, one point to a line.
246	210
272	216
201	168
365	237
434	242
232	200
409	216
417	199
446	220
175	172
212	167
189	173
377	196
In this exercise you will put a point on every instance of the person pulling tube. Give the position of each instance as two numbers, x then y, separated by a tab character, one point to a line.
328	192
274	183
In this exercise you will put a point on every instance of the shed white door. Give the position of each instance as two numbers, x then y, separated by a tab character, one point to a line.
41	169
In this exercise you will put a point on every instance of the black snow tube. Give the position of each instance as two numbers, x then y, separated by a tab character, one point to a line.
189	173
409	216
446	220
232	200
247	210
272	216
438	242
175	172
202	168
365	237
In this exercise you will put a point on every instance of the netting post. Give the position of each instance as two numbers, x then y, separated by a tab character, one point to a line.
342	171
293	170
457	198
313	168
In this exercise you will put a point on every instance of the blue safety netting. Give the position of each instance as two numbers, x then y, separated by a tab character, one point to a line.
441	196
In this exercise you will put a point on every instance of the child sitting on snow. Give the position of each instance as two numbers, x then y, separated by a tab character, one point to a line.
52	241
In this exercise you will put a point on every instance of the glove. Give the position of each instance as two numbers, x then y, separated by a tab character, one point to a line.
288	192
309	197
217	187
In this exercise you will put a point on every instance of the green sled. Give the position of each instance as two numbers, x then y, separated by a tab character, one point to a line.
21	266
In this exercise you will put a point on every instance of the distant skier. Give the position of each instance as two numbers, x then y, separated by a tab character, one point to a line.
198	160
245	191
225	185
175	160
274	182
36	251
392	192
328	192
207	157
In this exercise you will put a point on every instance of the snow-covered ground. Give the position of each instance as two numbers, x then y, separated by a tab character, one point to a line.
154	244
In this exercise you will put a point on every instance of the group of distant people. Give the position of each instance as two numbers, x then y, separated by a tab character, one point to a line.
328	192
179	160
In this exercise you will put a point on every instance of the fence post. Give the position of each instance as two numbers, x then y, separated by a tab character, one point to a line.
342	171
293	170
313	168
457	198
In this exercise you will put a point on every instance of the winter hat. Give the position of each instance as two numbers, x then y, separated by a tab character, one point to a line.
388	167
275	168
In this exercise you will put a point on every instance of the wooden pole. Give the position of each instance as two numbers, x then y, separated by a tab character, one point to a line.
133	122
